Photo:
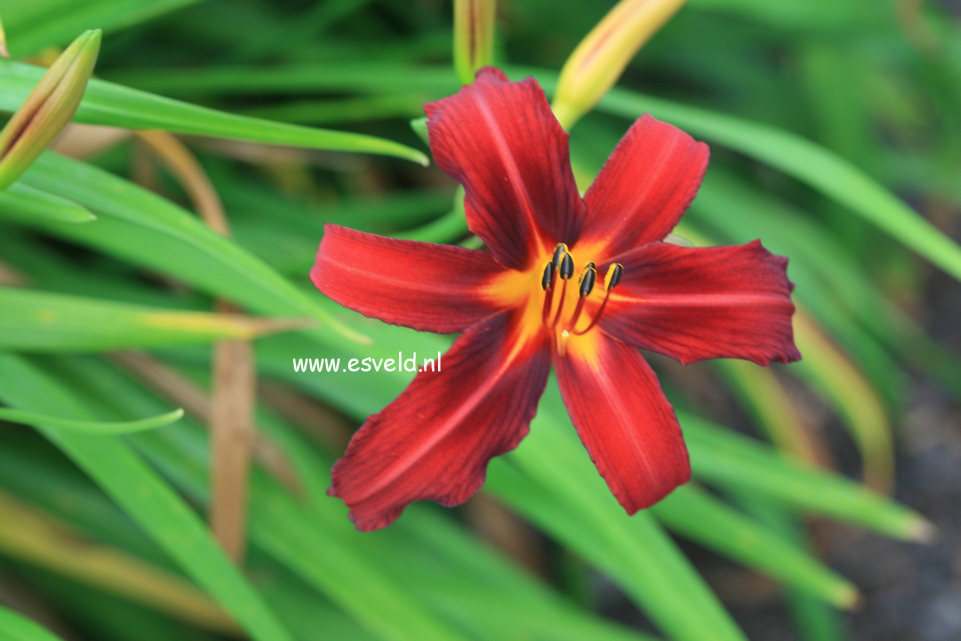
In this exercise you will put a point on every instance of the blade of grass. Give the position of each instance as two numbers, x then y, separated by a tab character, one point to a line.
234	380
827	368
43	540
91	427
365	77
105	103
814	621
145	497
235	273
43	23
16	627
694	514
23	200
760	391
334	565
112	616
38	321
721	457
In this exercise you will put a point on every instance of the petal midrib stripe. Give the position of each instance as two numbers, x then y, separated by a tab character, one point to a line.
700	300
513	173
440	432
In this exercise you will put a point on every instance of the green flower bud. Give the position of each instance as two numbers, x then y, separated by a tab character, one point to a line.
48	108
473	37
3	42
597	62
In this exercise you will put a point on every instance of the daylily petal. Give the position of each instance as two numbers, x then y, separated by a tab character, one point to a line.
625	421
693	303
435	439
500	140
435	288
645	186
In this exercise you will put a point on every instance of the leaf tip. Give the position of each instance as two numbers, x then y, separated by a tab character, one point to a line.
83	217
922	531
850	599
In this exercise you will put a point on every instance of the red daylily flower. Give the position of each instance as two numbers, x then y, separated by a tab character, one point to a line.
521	310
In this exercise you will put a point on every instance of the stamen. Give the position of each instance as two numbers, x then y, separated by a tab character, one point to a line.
614	274
586	283
547	280
565	272
567	266
560	250
587	279
613	277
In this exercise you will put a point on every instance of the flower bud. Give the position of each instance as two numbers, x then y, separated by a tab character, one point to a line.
48	108
473	37
597	62
3	42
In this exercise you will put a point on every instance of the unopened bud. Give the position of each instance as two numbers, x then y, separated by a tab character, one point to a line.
48	108
3	42
597	62
473	37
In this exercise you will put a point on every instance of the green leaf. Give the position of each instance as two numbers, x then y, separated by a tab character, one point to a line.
20	201
16	627
814	621
144	495
40	321
43	23
694	514
177	243
365	77
92	427
723	457
320	548
105	103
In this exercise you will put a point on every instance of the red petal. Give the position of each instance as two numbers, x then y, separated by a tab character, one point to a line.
500	141
434	441
696	303
625	422
436	288
645	186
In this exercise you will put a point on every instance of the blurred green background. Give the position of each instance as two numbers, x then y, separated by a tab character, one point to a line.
835	138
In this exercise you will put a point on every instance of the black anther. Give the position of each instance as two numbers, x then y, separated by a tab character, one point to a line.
616	274
548	277
588	277
567	266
